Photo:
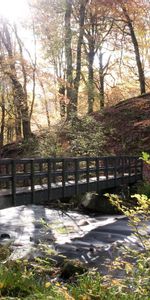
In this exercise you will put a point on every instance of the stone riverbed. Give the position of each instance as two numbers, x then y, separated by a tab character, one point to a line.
93	239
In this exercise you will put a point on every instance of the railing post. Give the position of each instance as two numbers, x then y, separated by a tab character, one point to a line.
129	169
76	175
7	173
97	172
32	182
142	165
41	170
49	179
63	177
135	161
1	184
87	173
123	165
115	169
13	174
26	181
54	171
106	168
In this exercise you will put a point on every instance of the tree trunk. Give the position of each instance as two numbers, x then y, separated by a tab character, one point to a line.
2	119
90	79
101	81
17	119
20	95
21	101
79	50
46	103
62	100
68	55
137	52
90	56
73	84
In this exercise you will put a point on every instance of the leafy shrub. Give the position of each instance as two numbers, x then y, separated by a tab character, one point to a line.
93	286
78	137
43	145
49	144
16	281
86	137
146	157
144	188
135	262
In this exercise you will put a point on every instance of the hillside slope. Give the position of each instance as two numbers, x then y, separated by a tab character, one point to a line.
124	129
127	126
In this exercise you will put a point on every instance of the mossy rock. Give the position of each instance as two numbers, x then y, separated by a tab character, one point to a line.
71	268
5	252
97	203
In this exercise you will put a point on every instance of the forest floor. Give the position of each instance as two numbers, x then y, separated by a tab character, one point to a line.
127	126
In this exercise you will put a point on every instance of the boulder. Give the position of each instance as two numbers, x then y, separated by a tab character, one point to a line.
97	203
71	268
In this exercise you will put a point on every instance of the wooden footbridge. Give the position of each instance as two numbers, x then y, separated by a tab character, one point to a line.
41	180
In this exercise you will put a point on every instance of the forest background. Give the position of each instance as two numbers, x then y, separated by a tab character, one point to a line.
67	59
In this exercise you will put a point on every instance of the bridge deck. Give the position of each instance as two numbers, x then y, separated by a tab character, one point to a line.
39	181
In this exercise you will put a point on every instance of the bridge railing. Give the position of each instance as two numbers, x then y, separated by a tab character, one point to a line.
31	174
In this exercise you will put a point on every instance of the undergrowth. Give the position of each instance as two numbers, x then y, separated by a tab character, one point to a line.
20	282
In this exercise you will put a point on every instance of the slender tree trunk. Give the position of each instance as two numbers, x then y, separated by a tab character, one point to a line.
79	51
137	52
34	63
47	113
90	56
17	113
23	112
62	101
22	61
68	55
2	119
46	103
101	81
73	83
33	91
90	79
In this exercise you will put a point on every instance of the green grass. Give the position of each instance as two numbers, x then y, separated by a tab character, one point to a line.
21	280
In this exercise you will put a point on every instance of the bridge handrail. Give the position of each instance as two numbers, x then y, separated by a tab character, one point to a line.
9	160
30	172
